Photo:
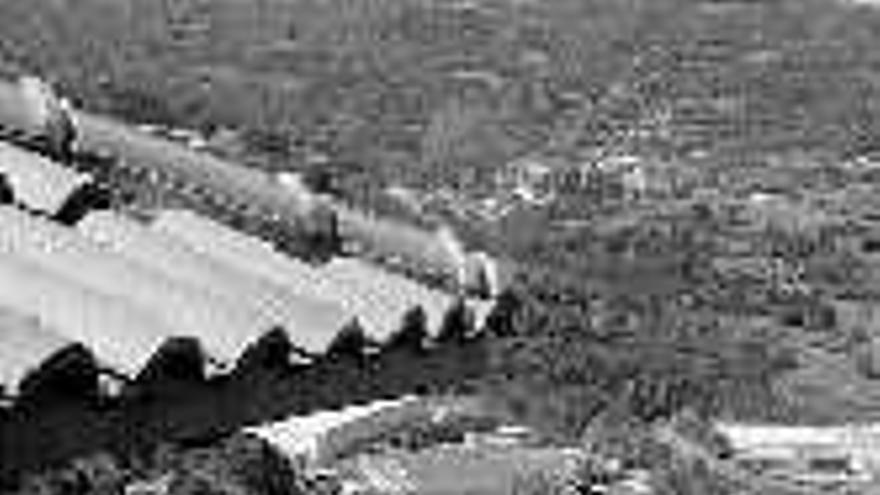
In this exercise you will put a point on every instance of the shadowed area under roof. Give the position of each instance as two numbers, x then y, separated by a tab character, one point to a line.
121	335
378	297
237	249
24	345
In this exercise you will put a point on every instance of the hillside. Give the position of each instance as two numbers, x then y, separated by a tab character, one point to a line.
445	93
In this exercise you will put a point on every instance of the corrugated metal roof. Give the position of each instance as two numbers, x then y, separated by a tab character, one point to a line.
378	297
224	327
38	182
237	249
312	323
120	335
253	189
25	344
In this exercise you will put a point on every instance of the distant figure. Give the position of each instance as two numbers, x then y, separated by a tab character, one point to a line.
50	120
272	352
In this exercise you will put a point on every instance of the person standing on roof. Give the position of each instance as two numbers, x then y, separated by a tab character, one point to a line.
50	122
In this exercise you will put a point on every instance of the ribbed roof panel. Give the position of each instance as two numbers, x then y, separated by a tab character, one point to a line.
37	182
120	334
311	322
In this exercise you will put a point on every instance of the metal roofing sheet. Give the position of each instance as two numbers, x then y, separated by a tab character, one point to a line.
25	344
311	322
136	148
378	297
120	335
224	327
38	182
320	436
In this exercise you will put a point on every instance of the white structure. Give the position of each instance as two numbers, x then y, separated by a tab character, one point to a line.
37	182
319	438
236	249
854	445
121	335
449	243
635	181
745	437
380	298
43	106
377	297
309	321
31	110
223	326
408	247
482	275
293	182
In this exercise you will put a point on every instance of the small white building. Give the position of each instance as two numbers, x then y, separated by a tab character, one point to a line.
849	451
313	441
525	178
